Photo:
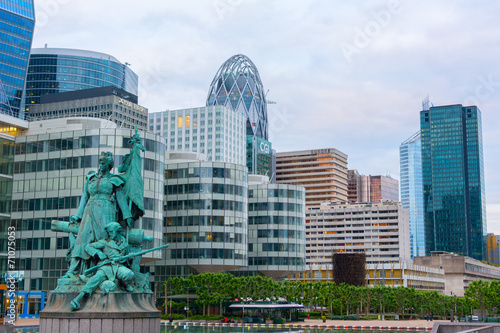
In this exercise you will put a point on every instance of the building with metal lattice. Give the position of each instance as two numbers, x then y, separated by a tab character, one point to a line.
237	86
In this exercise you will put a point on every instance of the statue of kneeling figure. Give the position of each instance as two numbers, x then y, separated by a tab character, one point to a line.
111	252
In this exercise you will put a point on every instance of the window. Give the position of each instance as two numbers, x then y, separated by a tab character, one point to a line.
179	122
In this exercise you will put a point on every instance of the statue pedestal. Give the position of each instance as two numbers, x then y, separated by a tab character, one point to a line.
100	313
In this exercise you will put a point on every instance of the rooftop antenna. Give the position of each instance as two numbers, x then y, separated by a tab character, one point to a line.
425	103
267	100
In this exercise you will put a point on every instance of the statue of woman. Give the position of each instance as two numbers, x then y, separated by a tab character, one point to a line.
102	196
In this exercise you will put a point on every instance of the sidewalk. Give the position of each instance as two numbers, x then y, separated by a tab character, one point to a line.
382	323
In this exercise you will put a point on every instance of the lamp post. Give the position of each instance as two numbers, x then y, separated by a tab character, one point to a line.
454	297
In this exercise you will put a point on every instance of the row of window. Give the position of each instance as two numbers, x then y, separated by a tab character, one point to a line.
280	247
91	141
275	206
275	193
282	233
207	254
65	203
268	220
78	162
206	188
274	261
196	220
98	64
214	237
197	172
206	204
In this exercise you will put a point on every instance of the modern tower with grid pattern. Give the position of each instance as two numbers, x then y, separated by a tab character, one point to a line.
453	180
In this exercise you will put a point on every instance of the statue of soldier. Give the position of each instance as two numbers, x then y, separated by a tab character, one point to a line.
111	252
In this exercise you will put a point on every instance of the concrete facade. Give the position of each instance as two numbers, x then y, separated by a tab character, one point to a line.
459	271
379	229
323	173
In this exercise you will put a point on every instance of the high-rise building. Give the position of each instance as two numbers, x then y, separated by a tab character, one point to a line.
453	180
108	103
276	225
371	188
17	23
412	196
259	156
215	131
380	230
10	128
382	188
353	186
323	172
238	87
56	70
492	250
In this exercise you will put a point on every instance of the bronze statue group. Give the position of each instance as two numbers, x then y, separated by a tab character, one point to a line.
104	251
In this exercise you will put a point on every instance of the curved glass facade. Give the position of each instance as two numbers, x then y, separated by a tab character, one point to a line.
49	172
206	217
276	223
17	21
237	86
54	70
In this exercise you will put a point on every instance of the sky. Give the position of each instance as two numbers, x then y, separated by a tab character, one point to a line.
349	75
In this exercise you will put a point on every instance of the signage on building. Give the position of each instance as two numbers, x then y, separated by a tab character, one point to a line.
264	147
320	151
131	105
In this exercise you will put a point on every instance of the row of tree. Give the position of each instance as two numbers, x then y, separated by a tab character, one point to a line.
337	299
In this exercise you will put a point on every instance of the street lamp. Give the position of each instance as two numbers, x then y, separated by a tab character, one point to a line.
454	296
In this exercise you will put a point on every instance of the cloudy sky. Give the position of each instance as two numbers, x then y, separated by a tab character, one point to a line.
345	74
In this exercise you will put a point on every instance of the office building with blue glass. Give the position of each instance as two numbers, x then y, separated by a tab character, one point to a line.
453	180
56	70
17	22
410	164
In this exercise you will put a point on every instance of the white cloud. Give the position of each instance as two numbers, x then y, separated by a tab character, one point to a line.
364	108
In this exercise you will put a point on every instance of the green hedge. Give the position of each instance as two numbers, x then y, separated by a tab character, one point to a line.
177	316
492	320
350	318
211	317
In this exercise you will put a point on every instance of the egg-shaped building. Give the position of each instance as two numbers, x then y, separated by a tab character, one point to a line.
237	86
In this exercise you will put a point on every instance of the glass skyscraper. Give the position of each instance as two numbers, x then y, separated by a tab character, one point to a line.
412	198
17	22
237	86
453	180
56	70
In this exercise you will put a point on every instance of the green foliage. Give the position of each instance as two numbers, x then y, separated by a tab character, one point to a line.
335	299
175	305
350	318
202	317
176	316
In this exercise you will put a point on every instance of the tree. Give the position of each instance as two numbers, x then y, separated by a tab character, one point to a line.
481	296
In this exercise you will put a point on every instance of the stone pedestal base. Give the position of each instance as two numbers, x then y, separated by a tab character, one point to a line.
81	325
100	313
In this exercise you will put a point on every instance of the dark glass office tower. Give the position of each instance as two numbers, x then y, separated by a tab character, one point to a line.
17	22
453	180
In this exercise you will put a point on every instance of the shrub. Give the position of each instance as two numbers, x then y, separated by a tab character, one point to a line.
177	316
211	317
